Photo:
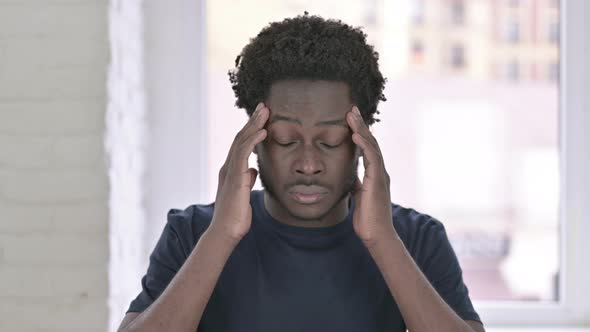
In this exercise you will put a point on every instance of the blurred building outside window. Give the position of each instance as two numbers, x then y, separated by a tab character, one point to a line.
417	12
512	71
512	34
513	3
553	32
553	72
457	56
457	12
417	51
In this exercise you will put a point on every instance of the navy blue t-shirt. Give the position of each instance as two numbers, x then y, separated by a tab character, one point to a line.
289	278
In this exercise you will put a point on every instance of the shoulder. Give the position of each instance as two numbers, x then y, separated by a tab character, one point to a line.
416	229
190	223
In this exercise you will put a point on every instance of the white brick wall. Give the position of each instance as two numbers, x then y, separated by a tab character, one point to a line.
54	246
126	145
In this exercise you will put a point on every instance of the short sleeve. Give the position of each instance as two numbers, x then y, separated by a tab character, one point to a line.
441	267
165	261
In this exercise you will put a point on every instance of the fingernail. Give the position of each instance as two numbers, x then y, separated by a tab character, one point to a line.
258	107
355	110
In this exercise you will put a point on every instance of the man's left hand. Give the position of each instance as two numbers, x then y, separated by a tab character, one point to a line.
372	218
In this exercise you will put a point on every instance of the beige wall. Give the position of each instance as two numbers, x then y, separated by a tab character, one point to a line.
53	179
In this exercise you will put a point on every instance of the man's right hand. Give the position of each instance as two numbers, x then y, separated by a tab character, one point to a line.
181	305
232	216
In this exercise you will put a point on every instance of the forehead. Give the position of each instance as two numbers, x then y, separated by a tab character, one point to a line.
309	101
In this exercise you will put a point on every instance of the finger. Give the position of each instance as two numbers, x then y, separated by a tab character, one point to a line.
255	123
238	162
365	161
247	126
356	122
358	125
372	160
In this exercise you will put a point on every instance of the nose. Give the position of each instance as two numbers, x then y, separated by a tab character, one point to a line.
309	163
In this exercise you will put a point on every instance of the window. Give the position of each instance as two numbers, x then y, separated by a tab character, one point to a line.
512	71
457	57
370	18
553	72
513	3
417	52
512	33
457	12
475	163
506	132
553	33
417	12
492	163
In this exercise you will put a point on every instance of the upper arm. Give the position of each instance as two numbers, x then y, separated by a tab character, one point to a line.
129	317
475	325
165	260
440	265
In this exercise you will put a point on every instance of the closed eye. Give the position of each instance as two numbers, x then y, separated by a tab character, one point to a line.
284	144
328	146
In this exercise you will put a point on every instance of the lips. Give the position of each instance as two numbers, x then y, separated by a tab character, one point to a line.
307	194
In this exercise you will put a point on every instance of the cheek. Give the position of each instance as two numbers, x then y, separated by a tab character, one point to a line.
342	165
273	160
270	151
348	153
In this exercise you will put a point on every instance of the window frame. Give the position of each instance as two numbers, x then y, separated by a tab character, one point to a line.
572	308
574	127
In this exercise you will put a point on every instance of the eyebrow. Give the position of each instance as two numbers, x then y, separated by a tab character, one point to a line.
338	122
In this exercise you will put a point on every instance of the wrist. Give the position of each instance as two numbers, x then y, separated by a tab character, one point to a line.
383	238
221	236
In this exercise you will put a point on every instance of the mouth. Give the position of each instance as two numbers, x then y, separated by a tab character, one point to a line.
306	195
307	198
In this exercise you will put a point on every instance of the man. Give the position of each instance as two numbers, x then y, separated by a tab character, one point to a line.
318	249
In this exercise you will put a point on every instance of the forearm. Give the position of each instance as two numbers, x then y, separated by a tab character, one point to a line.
421	306
181	305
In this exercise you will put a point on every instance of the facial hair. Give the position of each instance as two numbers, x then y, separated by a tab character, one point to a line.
267	184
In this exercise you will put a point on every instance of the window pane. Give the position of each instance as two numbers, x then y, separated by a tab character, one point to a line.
457	12
469	131
457	56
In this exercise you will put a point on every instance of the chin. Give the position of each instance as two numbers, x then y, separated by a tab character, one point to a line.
311	212
307	214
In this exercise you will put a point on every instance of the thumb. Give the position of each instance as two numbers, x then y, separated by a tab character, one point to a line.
253	174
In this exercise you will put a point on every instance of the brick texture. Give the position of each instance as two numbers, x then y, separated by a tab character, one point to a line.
54	234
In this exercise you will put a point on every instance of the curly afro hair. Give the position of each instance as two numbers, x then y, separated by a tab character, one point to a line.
309	47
